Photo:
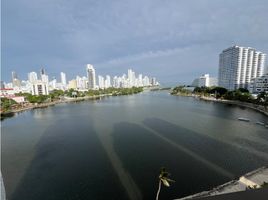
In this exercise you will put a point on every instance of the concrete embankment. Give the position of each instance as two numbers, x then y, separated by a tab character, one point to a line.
251	180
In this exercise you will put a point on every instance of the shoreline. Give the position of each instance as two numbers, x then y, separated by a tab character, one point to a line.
44	105
255	107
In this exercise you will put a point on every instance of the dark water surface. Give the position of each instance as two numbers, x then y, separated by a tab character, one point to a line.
113	148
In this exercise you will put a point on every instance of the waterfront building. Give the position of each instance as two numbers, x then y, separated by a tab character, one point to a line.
26	87
239	65
53	84
4	92
79	82
116	82
101	82
213	81
8	85
39	88
72	84
146	81
44	78
131	77
153	81
259	84
107	82
15	79
205	81
16	83
14	75
63	78
140	80
91	76
9	93
32	77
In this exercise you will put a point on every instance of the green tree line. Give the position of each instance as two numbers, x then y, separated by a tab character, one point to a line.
240	94
58	94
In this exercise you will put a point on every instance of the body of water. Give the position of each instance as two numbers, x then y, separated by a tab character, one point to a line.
113	148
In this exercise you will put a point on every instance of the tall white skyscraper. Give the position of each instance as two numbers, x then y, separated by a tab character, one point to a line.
239	65
131	77
32	77
108	81
101	82
63	78
91	76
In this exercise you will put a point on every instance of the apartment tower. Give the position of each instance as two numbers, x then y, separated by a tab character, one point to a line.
91	76
239	65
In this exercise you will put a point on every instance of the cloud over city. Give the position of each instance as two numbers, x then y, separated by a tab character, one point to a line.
173	40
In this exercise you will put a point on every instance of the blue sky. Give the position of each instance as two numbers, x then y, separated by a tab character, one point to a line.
173	40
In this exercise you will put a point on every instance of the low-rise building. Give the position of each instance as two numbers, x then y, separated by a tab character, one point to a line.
7	92
259	84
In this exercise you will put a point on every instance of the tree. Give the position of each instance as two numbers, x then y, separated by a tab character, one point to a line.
243	90
6	104
163	178
218	91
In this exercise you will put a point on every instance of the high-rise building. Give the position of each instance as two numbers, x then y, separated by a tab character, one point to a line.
53	83
107	81
42	71
153	81
131	77
39	88
239	65
44	78
14	75
101	82
91	76
15	79
72	84
146	81
63	78
32	77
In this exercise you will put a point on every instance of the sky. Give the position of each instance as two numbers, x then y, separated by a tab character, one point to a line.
173	40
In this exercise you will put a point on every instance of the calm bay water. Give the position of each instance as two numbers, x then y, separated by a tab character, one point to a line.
113	148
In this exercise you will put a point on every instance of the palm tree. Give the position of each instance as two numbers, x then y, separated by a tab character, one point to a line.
163	178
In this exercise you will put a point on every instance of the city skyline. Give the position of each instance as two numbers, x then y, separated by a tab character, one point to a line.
170	39
89	80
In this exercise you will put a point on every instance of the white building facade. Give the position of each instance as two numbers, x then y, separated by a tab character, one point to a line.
39	88
63	78
239	65
259	84
205	81
91	77
32	77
